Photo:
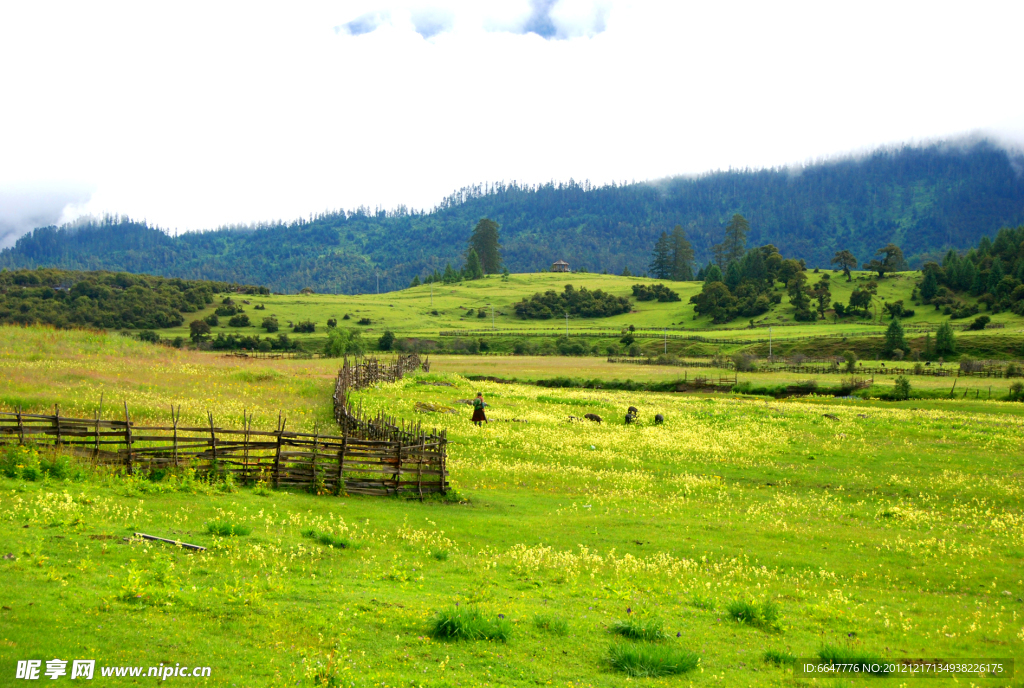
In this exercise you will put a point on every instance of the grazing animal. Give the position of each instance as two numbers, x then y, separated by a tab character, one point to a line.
631	414
659	419
594	417
830	416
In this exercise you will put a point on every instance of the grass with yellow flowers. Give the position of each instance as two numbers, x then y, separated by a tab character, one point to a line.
745	531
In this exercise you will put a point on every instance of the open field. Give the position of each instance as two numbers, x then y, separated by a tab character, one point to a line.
533	368
410	312
880	528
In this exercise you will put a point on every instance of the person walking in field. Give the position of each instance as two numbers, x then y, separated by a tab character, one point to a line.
478	409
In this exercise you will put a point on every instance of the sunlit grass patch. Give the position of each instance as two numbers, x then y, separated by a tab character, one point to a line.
555	625
778	657
705	602
639	628
224	529
468	623
327	539
763	615
834	654
648	661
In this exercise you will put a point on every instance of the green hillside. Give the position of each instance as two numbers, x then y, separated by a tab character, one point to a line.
925	199
410	313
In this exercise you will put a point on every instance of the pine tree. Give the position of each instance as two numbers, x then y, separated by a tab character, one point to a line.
979	284
485	241
929	286
473	269
995	276
733	276
894	338
415	281
735	243
945	341
712	274
682	255
661	258
450	276
967	272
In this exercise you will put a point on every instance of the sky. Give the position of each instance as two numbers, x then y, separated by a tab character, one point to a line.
193	115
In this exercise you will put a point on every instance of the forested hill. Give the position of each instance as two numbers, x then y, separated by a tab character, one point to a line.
925	199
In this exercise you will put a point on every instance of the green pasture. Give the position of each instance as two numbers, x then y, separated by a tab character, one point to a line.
740	528
410	312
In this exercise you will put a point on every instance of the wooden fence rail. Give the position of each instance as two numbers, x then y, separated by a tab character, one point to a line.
997	371
373	455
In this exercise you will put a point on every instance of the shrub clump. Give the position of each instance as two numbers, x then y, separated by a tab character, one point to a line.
901	390
327	539
702	602
552	624
778	658
468	623
649	661
764	615
643	292
224	529
639	628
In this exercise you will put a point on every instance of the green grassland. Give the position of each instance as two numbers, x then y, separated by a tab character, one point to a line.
410	312
888	530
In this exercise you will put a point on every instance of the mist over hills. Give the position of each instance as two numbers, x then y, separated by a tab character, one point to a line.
927	199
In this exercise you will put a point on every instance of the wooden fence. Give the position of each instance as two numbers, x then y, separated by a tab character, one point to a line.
373	455
994	370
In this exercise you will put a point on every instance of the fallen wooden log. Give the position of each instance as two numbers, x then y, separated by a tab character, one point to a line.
197	548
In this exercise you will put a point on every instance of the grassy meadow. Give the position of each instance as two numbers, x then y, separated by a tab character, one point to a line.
411	312
740	533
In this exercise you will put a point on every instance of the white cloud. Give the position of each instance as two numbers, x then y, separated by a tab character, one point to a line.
193	115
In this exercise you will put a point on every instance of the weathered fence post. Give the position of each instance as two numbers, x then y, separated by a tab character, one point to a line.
246	422
277	453
316	437
174	420
21	428
419	466
213	444
340	487
96	448
56	424
128	439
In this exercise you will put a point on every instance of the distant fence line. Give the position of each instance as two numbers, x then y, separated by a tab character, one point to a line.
984	369
675	333
373	455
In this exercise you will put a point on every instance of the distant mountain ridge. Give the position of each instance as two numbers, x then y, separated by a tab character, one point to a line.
927	199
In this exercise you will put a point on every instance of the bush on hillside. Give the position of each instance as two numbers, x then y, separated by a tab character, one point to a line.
579	302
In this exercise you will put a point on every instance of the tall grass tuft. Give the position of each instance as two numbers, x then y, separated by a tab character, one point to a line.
327	539
763	615
706	603
467	623
639	628
649	661
552	624
778	657
224	529
842	655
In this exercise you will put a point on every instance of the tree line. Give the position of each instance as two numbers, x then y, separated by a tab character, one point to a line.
926	199
68	298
